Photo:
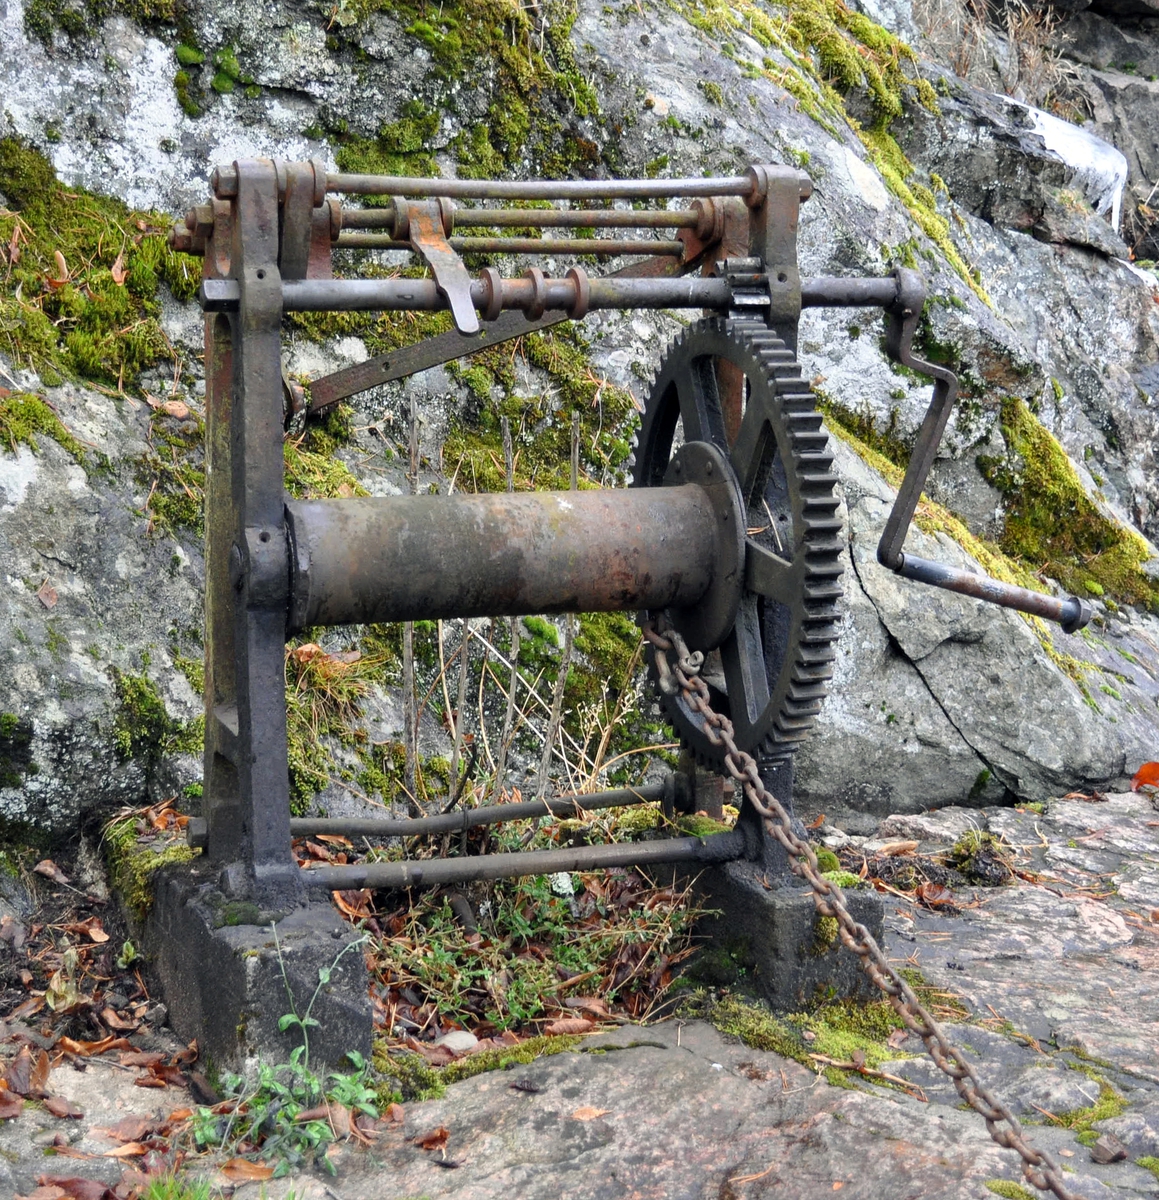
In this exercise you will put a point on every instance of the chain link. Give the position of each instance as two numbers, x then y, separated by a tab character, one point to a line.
1038	1167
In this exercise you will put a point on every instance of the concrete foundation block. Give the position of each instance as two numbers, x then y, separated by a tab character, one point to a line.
772	941
225	977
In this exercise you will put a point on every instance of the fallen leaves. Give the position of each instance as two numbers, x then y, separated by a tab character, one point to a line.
896	849
242	1170
588	1113
62	276
569	1025
27	1074
934	895
1146	776
46	594
436	1139
61	1187
50	870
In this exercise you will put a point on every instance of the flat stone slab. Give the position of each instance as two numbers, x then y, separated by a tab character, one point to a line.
1058	974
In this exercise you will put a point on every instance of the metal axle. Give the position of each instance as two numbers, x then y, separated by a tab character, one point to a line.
435	872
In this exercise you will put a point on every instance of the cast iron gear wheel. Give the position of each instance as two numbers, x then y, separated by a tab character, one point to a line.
769	676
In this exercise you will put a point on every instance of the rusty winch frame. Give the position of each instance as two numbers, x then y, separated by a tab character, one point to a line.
731	527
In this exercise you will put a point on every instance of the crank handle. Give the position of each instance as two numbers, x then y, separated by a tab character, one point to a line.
1070	612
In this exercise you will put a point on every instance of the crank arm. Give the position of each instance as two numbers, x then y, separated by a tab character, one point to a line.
901	324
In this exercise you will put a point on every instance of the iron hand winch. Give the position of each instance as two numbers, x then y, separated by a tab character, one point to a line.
730	527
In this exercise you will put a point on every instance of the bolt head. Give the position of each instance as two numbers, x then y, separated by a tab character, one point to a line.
223	181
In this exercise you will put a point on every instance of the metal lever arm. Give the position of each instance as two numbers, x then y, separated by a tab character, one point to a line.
901	324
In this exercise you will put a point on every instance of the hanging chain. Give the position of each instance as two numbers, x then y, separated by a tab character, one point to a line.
1038	1167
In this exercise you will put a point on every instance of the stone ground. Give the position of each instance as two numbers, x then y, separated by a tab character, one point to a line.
1057	970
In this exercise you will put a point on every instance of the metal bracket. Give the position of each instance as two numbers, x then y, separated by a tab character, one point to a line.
424	222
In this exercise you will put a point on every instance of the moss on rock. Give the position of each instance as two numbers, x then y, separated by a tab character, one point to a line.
23	416
132	863
79	298
1051	520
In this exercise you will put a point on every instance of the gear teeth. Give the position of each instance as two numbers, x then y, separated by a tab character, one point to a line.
802	676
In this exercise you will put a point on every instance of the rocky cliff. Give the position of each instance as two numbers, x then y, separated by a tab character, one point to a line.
1018	177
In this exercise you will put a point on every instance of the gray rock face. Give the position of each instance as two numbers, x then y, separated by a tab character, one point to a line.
935	701
124	600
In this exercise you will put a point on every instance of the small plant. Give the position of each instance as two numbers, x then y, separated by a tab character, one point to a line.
290	1113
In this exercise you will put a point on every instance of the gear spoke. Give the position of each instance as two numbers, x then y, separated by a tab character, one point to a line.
776	658
699	400
769	575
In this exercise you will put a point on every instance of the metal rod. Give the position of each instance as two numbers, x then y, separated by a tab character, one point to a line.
514	245
471	818
829	291
402	558
385	295
1071	613
541	189
558	218
435	872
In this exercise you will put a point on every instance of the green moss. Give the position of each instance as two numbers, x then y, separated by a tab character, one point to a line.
172	470
825	934
85	323
712	91
1148	1163
836	1030
1052	522
826	859
410	1077
189	56
696	825
1009	1189
898	173
81	19
1109	1104
23	416
132	865
142	728
844	879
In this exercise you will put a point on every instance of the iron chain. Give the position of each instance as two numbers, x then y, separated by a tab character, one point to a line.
1038	1167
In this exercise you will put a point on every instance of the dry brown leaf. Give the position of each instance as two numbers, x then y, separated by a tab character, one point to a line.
934	895
128	1150
78	1189
117	270
62	273
176	408
129	1129
435	1140
50	870
46	594
241	1170
395	1113
11	1105
591	1004
60	1107
569	1025
189	1055
588	1113
896	849
897	1039
88	1049
39	1079
114	1021
140	1058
